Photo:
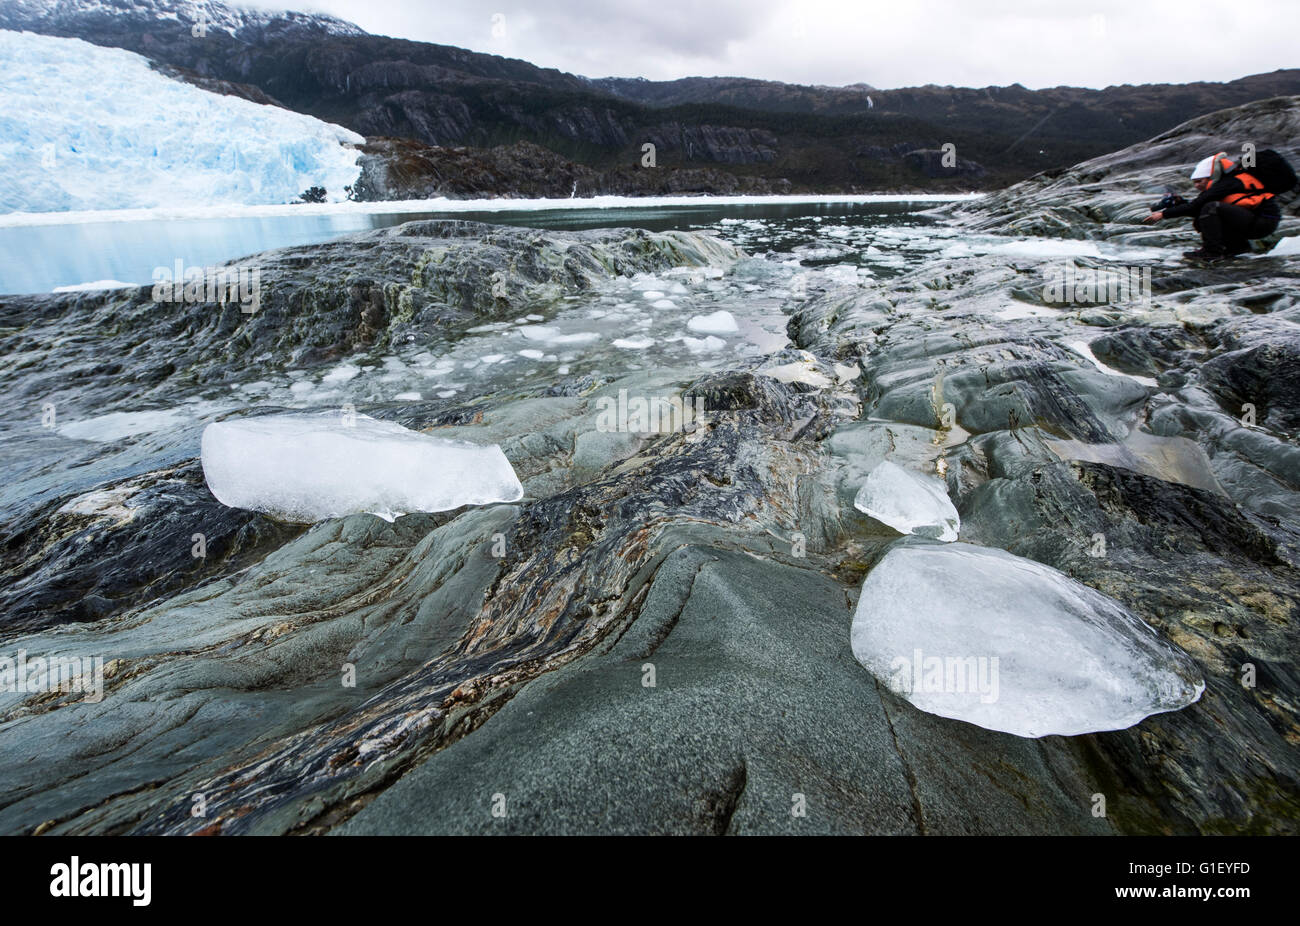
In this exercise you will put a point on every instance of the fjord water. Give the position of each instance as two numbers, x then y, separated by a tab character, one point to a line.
38	258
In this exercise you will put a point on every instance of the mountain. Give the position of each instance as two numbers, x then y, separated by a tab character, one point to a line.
852	138
202	16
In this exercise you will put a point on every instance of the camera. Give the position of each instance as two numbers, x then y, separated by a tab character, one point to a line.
1170	200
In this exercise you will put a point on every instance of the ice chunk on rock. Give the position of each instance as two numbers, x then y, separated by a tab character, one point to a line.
1009	644
309	467
908	502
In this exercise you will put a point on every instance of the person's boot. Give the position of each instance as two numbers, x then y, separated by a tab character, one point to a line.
1205	255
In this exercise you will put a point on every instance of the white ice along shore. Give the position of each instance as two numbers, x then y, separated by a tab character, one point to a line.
443	206
908	502
89	128
1009	644
309	467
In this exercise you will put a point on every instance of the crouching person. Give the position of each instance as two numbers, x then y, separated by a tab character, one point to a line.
1233	207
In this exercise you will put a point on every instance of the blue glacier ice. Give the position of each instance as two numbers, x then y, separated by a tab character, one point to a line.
84	127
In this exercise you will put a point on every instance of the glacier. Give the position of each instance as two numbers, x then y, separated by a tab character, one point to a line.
310	467
90	128
908	502
1009	644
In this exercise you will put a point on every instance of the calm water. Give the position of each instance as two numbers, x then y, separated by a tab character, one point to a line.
40	258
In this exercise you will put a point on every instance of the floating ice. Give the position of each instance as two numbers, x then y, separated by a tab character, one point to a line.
1009	644
704	345
538	332
309	467
638	343
719	322
908	502
578	337
341	373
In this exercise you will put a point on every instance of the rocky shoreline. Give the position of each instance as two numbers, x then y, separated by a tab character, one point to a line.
662	645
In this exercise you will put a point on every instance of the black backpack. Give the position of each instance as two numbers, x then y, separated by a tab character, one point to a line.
1272	170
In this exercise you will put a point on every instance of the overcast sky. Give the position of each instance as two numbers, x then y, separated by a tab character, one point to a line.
973	43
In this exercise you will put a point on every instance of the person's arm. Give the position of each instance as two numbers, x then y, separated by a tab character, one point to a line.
1225	187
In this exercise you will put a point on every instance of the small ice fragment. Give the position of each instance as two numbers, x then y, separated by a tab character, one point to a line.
719	322
634	343
704	345
531	354
797	373
341	374
908	502
538	332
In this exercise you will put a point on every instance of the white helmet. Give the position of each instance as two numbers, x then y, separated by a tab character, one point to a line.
1204	168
